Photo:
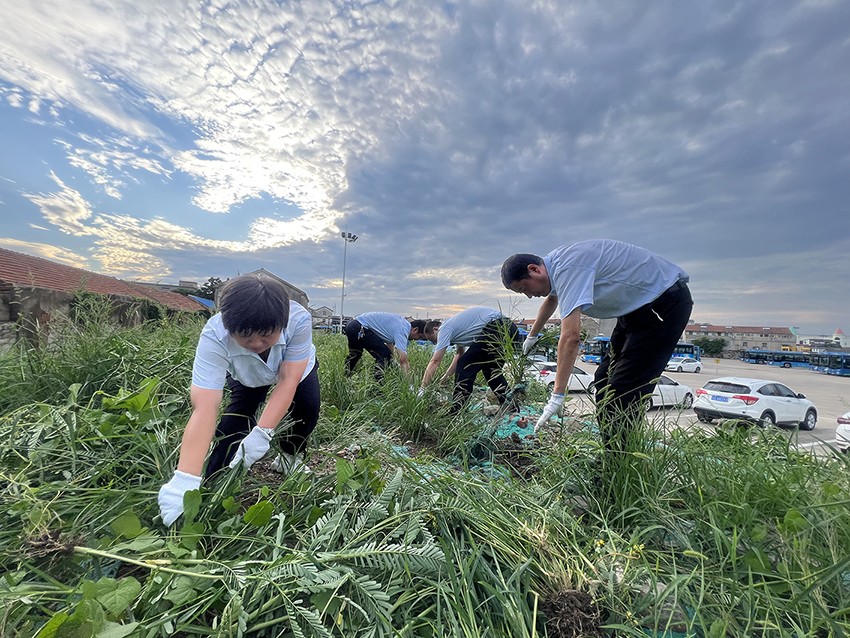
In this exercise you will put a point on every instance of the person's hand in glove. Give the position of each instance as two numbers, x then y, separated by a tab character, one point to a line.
554	406
529	342
171	495
421	392
253	447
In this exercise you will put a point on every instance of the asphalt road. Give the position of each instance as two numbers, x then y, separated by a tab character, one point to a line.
830	394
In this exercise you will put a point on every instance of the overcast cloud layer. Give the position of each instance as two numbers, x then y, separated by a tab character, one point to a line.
182	140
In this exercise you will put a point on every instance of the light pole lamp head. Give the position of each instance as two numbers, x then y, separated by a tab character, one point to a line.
348	237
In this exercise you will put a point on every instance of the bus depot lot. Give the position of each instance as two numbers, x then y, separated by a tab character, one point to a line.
830	394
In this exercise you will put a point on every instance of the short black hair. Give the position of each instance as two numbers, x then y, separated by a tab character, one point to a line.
516	266
431	326
418	324
254	304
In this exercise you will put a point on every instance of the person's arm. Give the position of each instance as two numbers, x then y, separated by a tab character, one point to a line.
402	361
548	307
568	345
451	371
199	429
433	365
288	377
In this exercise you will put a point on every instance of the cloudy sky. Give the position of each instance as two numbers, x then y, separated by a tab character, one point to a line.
183	140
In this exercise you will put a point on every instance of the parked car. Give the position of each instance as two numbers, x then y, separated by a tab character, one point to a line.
757	400
842	433
544	372
683	364
669	393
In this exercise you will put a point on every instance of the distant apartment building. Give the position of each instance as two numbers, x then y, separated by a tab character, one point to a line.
743	337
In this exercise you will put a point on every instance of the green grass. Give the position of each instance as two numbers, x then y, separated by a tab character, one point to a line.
733	533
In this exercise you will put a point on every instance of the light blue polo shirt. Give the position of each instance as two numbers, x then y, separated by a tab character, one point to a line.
391	328
217	353
608	278
464	327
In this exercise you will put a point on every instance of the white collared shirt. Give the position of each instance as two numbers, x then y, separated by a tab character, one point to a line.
608	278
390	327
462	328
218	353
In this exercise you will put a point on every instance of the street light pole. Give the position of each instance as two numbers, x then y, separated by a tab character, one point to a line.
347	238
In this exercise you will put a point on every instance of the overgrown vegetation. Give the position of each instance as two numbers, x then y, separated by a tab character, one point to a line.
399	531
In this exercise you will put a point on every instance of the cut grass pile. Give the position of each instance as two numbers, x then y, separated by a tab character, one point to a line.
733	533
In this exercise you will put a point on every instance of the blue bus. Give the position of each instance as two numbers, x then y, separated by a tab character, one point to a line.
783	358
594	349
837	363
686	350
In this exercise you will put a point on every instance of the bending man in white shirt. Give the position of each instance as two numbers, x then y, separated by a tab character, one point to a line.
259	339
605	278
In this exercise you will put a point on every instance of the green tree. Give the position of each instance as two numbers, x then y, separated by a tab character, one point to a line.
207	291
711	347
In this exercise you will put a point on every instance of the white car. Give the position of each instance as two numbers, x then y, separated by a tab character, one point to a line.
669	393
756	400
544	372
842	433
683	364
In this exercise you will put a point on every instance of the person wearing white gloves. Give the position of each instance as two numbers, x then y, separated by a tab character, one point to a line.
604	278
259	339
529	343
478	334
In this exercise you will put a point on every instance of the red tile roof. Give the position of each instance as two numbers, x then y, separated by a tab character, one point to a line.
26	270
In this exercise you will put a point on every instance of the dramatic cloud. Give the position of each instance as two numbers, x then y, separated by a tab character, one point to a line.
448	136
53	253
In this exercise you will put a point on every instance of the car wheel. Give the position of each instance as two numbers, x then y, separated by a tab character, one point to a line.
810	421
704	418
551	386
768	420
697	369
688	401
786	365
679	369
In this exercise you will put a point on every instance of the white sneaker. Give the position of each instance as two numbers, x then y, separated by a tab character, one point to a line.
286	464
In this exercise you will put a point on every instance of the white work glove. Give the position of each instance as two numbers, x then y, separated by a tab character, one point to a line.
554	406
529	342
171	495
421	393
253	447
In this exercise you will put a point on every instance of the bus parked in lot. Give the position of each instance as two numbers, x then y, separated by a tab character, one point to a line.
594	349
686	350
837	363
785	359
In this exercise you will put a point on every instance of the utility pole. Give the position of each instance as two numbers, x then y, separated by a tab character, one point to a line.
347	238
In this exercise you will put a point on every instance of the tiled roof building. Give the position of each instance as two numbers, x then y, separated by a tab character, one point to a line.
35	272
743	337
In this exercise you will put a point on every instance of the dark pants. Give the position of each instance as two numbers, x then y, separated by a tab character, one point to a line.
240	417
486	354
361	338
641	346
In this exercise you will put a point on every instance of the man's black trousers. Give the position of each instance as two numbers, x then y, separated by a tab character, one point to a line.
640	347
361	338
486	354
240	417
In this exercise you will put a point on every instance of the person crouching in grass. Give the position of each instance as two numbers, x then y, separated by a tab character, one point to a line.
259	339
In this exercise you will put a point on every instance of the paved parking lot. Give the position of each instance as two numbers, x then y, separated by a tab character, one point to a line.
830	394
